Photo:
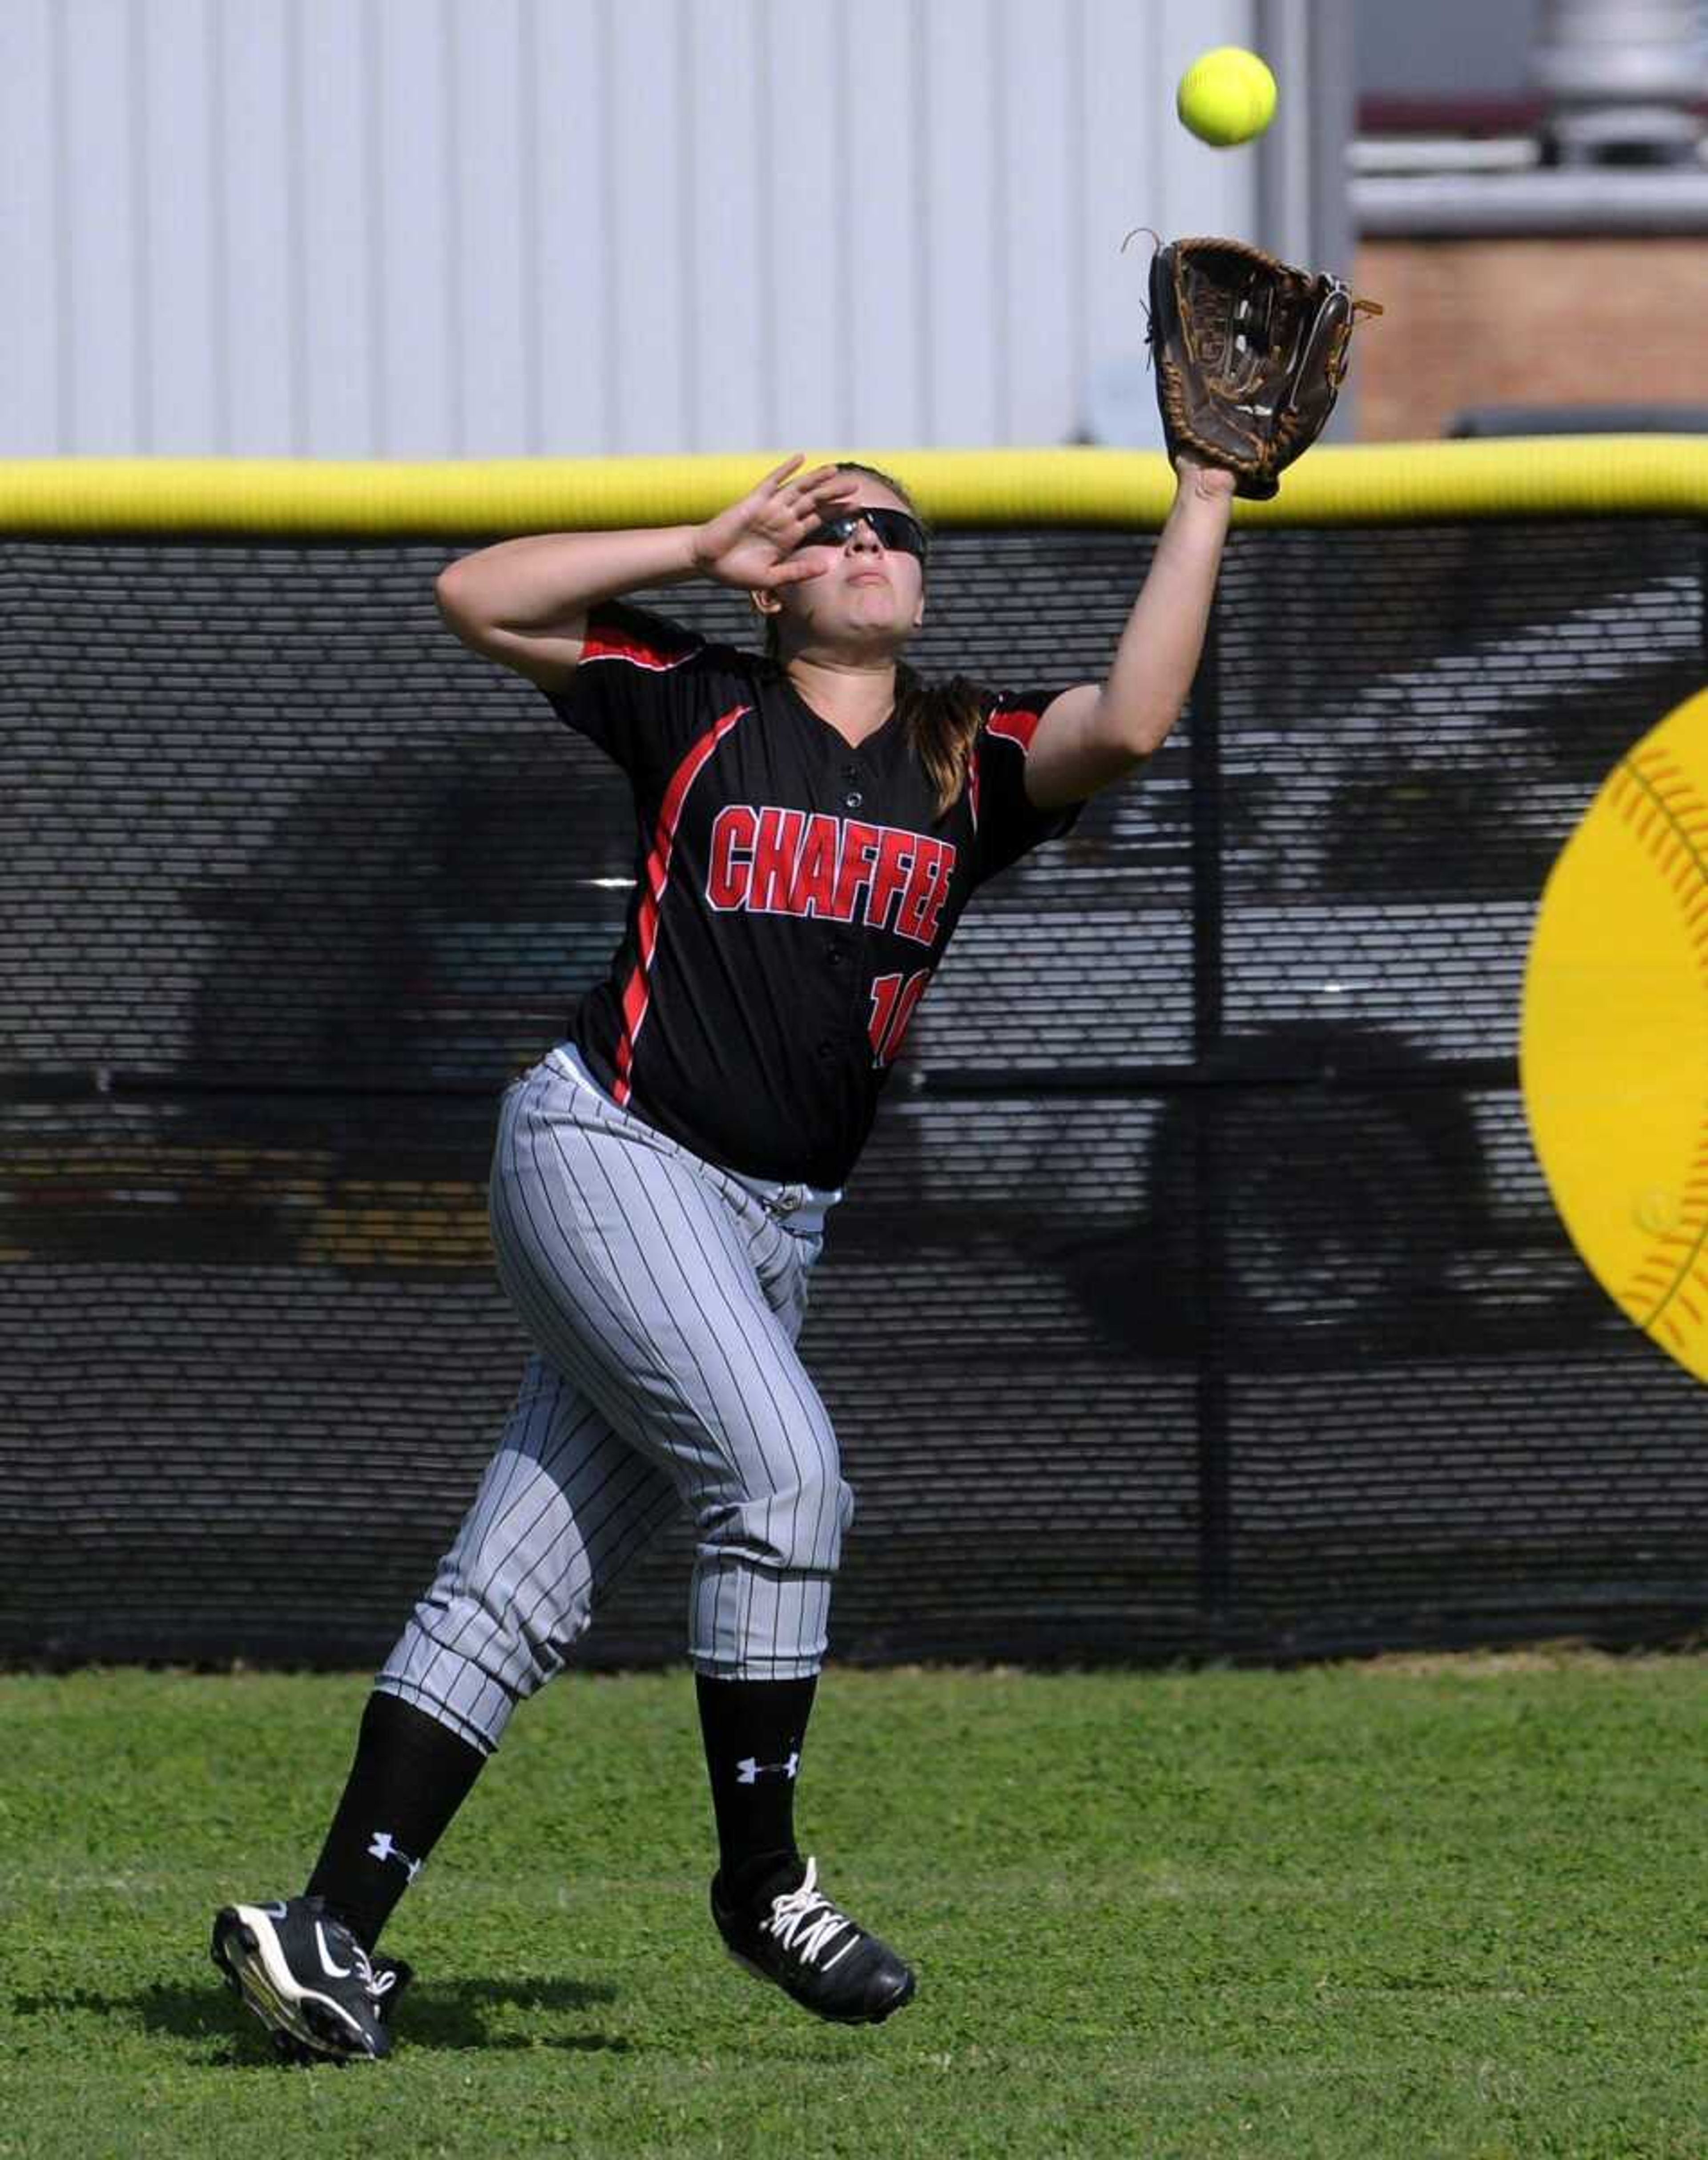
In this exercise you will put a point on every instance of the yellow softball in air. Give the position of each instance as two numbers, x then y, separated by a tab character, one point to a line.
1226	96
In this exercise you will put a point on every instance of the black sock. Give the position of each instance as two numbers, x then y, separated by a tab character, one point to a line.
410	1776
753	1731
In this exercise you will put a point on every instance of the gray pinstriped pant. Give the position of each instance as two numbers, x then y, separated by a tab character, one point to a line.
663	1296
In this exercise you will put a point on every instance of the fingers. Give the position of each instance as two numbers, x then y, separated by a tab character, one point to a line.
796	572
814	495
786	517
821	483
788	503
810	500
774	480
777	481
781	512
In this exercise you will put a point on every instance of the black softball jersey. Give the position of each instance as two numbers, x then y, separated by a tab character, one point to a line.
794	894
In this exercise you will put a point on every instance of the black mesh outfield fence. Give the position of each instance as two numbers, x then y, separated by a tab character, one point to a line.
1200	1291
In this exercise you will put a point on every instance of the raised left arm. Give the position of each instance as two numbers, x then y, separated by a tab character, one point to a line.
1095	733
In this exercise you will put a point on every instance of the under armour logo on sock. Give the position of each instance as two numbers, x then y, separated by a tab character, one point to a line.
384	1848
749	1770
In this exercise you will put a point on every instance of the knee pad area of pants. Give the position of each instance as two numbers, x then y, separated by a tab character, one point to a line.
796	1529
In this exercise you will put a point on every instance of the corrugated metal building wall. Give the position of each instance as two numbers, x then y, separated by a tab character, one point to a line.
470	228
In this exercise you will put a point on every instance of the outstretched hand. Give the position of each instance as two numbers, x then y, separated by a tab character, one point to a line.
750	544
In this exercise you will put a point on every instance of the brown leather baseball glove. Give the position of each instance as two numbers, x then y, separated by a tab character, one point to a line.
1250	354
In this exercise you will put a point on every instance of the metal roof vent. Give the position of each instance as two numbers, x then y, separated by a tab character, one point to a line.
1622	79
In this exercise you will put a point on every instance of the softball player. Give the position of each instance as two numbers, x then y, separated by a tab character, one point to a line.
811	822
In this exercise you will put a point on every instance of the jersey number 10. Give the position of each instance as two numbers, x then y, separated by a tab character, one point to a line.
894	1003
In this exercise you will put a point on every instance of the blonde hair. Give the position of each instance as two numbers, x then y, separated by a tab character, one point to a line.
940	720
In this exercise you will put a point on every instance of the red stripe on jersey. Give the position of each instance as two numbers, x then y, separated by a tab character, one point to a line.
625	645
637	992
1015	727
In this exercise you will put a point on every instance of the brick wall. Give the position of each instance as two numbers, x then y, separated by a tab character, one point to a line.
1527	322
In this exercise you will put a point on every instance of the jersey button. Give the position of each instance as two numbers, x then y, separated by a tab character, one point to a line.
852	799
827	1050
836	955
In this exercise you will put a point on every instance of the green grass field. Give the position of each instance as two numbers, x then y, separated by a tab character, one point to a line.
1413	1908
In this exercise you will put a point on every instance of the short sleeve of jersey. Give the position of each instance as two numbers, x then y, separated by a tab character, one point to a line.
1008	824
635	692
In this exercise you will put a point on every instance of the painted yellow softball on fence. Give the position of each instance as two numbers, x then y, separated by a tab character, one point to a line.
1613	1050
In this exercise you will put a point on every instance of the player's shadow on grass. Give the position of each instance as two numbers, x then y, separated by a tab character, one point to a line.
454	2014
447	2015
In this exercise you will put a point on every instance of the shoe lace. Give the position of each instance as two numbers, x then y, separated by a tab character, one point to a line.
378	1984
806	1923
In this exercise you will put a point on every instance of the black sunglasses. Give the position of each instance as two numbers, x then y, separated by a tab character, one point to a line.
895	529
